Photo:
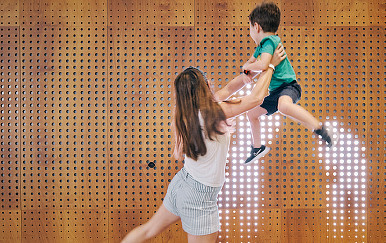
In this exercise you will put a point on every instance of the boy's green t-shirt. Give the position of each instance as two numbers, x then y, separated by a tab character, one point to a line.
284	72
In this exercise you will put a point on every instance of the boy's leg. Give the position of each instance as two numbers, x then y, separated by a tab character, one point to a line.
233	86
298	113
254	119
158	223
257	150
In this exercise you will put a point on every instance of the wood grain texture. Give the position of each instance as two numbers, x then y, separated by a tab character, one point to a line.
86	103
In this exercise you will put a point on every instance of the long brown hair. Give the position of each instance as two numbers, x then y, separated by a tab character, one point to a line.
193	95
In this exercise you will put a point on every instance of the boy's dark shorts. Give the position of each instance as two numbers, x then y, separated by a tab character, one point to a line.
292	89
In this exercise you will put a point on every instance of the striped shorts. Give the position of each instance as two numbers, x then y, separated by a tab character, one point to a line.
194	202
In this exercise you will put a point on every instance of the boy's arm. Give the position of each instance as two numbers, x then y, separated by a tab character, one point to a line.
260	65
237	83
234	85
252	59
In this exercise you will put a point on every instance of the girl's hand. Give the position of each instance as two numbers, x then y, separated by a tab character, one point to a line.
279	55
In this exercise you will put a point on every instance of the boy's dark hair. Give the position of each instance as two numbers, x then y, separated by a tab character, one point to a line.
267	15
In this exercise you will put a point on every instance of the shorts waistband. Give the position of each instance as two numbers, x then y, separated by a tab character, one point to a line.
196	184
282	86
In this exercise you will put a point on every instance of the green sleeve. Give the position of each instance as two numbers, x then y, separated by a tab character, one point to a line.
257	52
268	47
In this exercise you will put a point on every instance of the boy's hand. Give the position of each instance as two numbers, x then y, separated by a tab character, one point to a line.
251	74
247	71
279	55
245	68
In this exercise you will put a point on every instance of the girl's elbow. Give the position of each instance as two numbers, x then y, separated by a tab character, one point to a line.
258	100
260	97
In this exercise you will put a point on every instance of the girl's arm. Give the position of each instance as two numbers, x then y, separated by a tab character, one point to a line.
243	104
238	83
232	87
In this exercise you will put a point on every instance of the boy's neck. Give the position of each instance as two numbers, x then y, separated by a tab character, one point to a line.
265	34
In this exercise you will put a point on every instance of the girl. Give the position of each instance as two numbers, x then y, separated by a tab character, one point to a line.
202	134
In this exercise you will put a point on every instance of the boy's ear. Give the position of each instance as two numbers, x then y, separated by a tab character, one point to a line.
257	27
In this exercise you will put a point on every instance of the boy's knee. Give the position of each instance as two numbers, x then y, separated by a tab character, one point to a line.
284	106
281	108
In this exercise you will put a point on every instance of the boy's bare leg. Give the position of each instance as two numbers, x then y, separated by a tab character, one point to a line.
254	120
297	113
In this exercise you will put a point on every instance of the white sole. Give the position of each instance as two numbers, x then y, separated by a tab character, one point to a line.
267	149
334	140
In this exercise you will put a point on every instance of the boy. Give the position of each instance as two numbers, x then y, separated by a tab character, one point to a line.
285	92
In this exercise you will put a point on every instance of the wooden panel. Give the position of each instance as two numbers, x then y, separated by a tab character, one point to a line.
140	97
64	118
331	13
86	99
304	48
303	184
10	198
375	134
376	224
63	13
65	226
239	225
150	13
9	13
223	12
220	52
122	221
10	226
10	118
376	13
347	78
304	225
304	13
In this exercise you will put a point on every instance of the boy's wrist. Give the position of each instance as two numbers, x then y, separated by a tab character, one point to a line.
271	66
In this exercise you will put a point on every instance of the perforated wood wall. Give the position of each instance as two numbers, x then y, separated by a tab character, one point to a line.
86	100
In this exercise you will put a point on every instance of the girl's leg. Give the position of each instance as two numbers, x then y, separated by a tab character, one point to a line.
211	238
158	223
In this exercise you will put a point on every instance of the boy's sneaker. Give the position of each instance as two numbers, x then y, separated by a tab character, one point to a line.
257	153
328	135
